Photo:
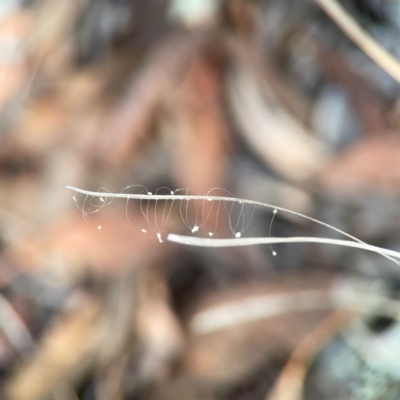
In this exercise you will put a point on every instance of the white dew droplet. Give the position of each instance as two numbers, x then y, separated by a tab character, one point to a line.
274	253
209	199
160	240
238	234
275	211
74	198
144	230
101	199
149	193
172	192
99	227
210	233
195	229
159	236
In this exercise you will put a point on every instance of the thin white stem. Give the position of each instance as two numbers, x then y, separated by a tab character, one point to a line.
204	198
234	242
383	252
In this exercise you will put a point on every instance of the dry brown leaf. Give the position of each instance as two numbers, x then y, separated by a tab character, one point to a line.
200	156
291	380
371	165
226	356
274	135
41	124
158	328
66	352
271	78
70	247
132	118
369	104
14	30
54	21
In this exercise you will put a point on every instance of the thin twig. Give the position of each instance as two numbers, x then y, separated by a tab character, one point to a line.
362	38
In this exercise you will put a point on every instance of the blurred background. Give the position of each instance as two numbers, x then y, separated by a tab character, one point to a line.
267	100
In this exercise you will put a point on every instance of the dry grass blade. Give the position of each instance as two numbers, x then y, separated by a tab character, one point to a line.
362	38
